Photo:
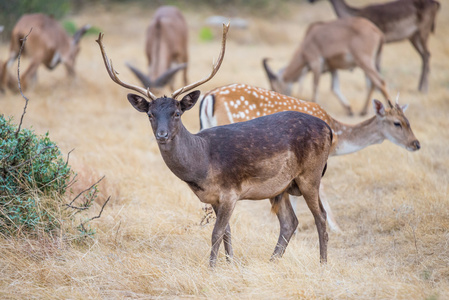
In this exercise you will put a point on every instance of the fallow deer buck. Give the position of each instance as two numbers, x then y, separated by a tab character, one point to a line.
329	46
240	102
399	20
48	44
165	48
258	159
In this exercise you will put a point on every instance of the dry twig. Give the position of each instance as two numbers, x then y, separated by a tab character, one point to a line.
18	80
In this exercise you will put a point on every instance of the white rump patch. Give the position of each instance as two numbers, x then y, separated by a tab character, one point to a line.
206	114
228	112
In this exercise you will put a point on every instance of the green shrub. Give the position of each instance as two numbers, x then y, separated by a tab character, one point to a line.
206	34
33	179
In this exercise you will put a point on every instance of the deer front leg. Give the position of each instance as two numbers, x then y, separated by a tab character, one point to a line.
316	70
226	239
223	210
376	82
288	222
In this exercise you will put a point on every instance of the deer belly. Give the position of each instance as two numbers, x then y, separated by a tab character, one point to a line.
399	30
270	183
342	61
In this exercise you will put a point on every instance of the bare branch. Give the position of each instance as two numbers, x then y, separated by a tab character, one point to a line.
68	155
114	74
18	80
96	217
89	188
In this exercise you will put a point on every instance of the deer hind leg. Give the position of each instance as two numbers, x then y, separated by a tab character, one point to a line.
337	92
287	220
376	81
421	46
310	191
222	230
29	76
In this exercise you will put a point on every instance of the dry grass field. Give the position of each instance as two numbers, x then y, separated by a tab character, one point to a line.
392	205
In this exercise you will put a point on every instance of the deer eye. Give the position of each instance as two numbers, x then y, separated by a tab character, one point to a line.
397	124
177	114
150	115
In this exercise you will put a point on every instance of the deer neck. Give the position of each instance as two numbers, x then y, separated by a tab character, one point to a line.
342	9
186	157
293	70
353	138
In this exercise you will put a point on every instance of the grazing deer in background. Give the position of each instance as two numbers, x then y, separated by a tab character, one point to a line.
48	44
399	20
6	79
165	47
240	102
259	159
329	46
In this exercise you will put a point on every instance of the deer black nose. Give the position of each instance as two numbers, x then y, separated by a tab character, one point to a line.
416	144
162	135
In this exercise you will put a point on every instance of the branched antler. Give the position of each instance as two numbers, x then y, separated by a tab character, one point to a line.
215	67
146	92
114	74
18	80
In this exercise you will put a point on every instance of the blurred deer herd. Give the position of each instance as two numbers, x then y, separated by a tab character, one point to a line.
249	146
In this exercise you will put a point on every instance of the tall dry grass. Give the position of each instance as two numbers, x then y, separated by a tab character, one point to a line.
392	204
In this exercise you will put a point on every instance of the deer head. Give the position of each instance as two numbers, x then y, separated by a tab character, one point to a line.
395	126
164	113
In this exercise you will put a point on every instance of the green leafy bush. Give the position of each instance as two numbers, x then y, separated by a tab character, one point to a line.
206	34
33	179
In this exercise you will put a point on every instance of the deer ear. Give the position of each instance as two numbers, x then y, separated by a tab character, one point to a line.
189	100
139	103
404	107
379	108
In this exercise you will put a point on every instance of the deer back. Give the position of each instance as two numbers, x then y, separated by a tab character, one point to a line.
258	149
47	38
240	102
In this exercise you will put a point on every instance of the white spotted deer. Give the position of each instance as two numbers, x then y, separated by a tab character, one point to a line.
240	102
165	47
47	44
341	44
259	159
